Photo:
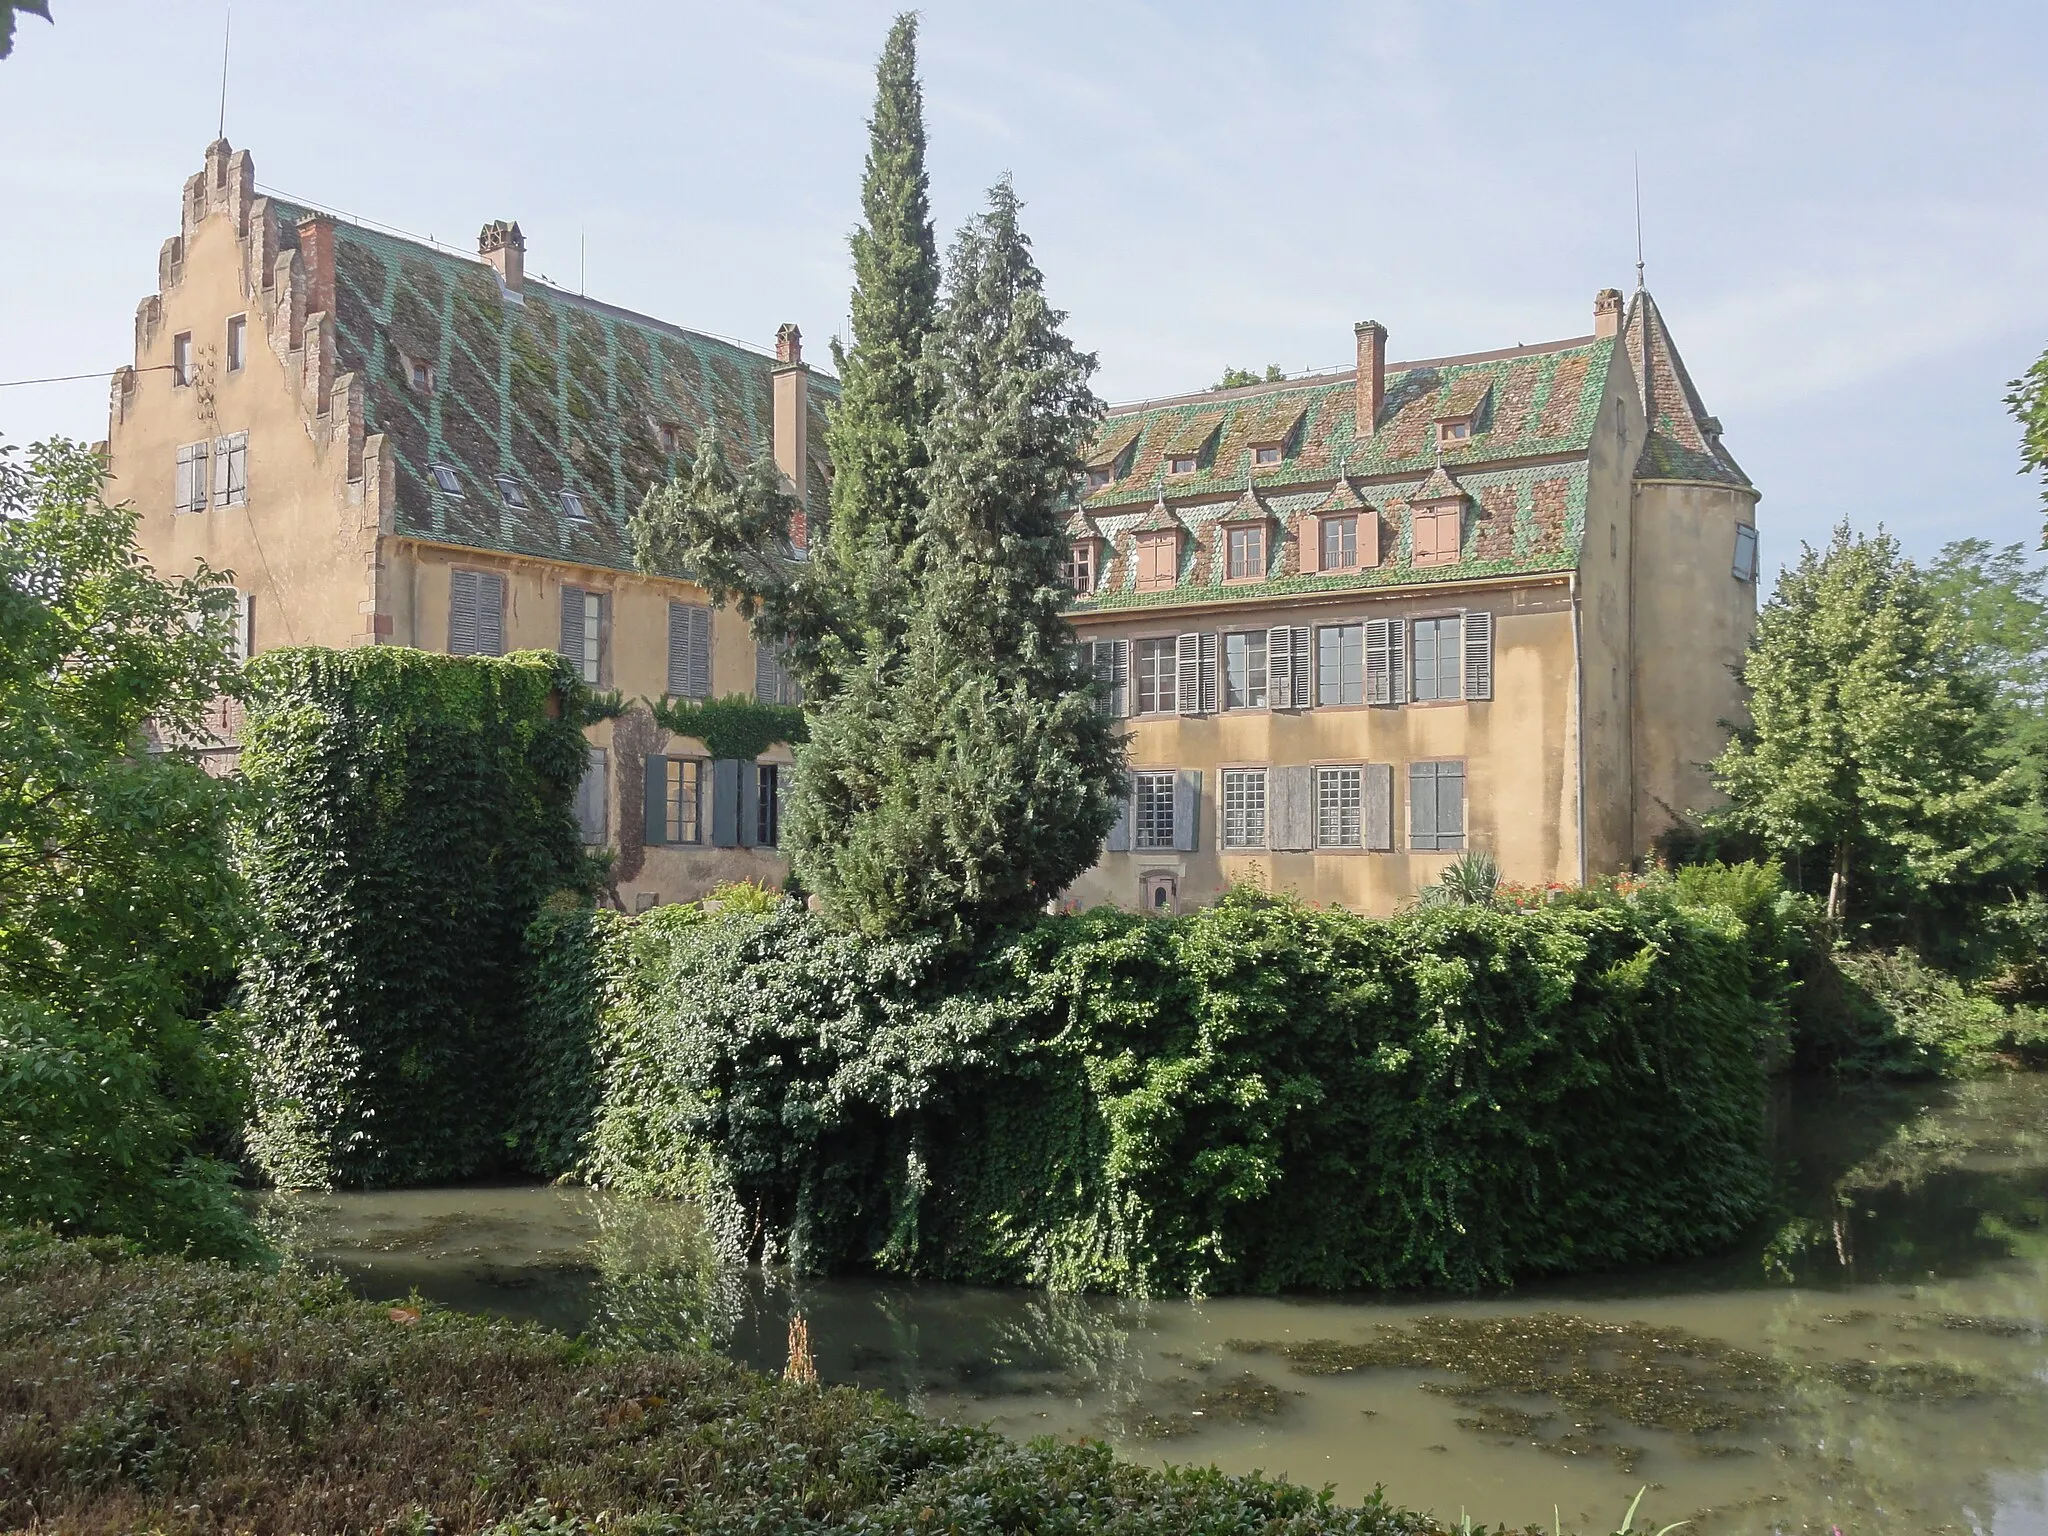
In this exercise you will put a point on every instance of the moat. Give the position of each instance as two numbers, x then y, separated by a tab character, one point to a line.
1875	1359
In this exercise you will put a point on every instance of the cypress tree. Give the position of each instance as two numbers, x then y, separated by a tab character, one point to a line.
877	428
971	782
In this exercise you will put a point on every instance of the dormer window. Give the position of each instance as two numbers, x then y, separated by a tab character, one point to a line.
1245	553
1266	453
671	436
1453	430
447	480
513	492
422	375
1098	477
1080	566
1158	552
1183	464
1340	543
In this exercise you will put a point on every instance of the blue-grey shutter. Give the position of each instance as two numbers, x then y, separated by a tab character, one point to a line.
1211	676
1120	830
1450	805
656	832
1187	809
1397	660
689	651
1291	809
1422	818
490	614
1280	668
1187	658
1303	665
1379	807
765	687
1478	655
750	804
572	626
462	607
725	803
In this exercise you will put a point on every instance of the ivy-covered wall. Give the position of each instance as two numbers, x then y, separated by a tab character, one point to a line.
1254	1097
412	814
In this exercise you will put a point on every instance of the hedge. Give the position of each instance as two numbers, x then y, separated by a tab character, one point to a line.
413	812
1255	1097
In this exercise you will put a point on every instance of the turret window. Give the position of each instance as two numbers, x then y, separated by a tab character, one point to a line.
1745	552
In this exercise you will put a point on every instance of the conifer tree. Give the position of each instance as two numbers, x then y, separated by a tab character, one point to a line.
972	782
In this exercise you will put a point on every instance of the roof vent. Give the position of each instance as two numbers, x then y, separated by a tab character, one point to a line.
504	247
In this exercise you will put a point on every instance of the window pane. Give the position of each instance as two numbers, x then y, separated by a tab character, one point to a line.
1152	823
1340	542
683	802
1340	801
1244	671
1244	808
1340	664
593	634
1438	653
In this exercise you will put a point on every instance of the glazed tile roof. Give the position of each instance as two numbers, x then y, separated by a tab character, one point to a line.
560	392
1438	487
1684	442
1195	430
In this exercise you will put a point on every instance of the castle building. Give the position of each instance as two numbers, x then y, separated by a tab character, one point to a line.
1358	623
390	443
1363	623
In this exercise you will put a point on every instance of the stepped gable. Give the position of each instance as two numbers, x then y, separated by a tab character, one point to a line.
546	389
1684	441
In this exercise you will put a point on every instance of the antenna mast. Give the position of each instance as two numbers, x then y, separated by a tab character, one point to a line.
227	29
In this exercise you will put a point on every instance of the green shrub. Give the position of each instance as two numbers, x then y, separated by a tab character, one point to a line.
1254	1097
1904	1018
413	814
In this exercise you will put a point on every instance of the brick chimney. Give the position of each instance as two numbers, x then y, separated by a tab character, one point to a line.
504	248
792	378
1372	376
1607	313
316	256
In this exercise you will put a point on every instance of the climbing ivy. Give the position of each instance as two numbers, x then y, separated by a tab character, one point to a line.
734	726
413	814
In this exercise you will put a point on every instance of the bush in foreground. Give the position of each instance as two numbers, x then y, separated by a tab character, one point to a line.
169	1396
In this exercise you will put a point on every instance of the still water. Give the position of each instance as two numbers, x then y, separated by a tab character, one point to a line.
1876	1359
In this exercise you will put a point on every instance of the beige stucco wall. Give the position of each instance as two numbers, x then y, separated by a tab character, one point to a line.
295	543
1520	785
1694	621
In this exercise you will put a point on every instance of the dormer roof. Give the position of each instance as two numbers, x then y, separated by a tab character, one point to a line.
1194	434
1159	518
1248	508
1438	487
1343	497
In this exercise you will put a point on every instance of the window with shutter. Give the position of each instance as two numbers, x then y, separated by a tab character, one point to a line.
1340	543
767	805
1158	677
1436	806
1158	555
1210	671
245	625
1152	802
1479	656
238	342
1340	807
1745	552
689	651
772	682
1290	809
1244	808
490	614
230	471
1187	810
676	800
1280	670
462	619
1379	807
583	632
192	482
1244	671
1438	531
1340	664
1109	662
725	802
1119	839
590	798
1302	665
1438	659
1188	692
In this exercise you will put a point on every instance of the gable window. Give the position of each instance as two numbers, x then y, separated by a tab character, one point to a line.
191	484
1439	659
181	358
1266	453
513	492
1244	808
422	377
572	507
1340	664
583	627
689	651
1158	559
1437	533
1152	810
238	342
1244	670
476	613
231	470
1080	569
1181	464
445	479
1453	431
768	805
1098	477
1745	552
1158	677
1340	807
1436	806
1340	543
1245	553
591	798
671	437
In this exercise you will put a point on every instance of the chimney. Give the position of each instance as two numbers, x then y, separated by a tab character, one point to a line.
1372	376
316	256
792	379
1607	313
504	248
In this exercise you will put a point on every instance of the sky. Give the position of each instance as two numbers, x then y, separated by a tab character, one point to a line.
1842	208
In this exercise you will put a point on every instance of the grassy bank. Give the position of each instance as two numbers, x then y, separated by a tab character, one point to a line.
161	1395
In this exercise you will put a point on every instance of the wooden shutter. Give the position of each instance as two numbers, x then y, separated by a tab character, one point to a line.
1379	660
1478	655
220	471
1422	805
572	626
192	477
490	614
1188	674
1290	809
1280	668
245	625
1368	539
749	777
1304	667
1211	676
1397	660
462	620
1308	541
1110	661
725	803
590	798
1379	806
689	651
656	832
1187	809
230	471
1119	840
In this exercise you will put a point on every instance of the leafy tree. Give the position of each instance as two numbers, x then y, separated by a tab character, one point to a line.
119	915
9	10
2028	401
1870	737
1236	378
974	781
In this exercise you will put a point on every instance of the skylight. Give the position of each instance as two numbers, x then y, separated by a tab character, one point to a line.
447	479
513	492
572	507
